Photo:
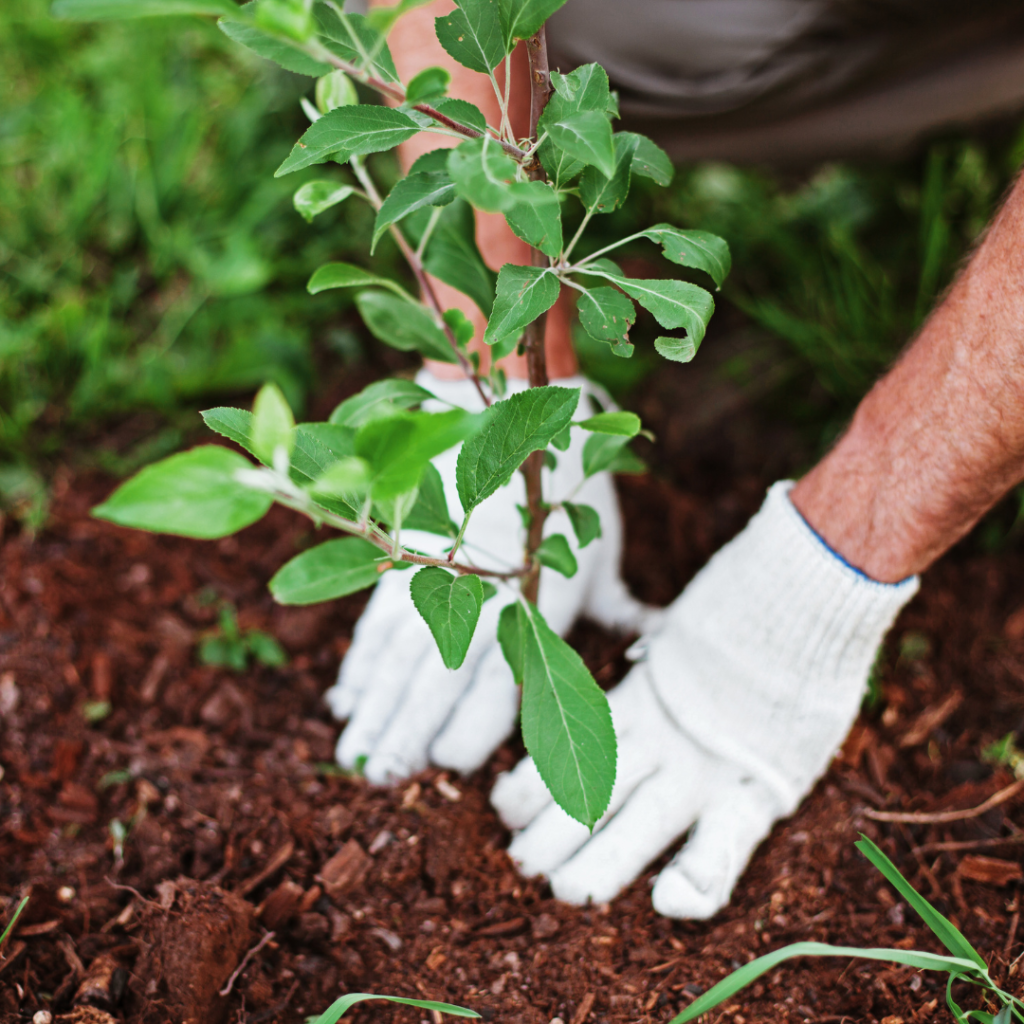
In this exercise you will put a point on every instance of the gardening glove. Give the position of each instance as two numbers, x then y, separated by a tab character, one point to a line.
404	708
745	693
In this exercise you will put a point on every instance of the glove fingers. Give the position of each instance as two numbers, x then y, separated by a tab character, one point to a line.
520	795
654	816
482	720
553	837
394	668
372	634
700	879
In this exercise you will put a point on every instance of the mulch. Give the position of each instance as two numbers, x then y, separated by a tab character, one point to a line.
165	817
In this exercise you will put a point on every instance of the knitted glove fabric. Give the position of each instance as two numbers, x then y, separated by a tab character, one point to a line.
404	708
747	690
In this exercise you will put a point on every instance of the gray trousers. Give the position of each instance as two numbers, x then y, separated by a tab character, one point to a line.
790	81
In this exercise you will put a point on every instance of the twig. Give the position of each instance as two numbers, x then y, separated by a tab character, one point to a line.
941	817
412	257
397	93
226	990
536	359
969	844
134	892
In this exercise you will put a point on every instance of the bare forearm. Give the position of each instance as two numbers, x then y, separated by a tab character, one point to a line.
941	437
414	46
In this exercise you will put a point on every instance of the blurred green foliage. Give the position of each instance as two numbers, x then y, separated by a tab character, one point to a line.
147	254
843	263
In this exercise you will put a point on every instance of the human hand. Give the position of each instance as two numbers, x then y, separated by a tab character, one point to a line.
404	708
746	691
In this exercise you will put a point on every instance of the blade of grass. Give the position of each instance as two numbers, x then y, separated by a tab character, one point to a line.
748	972
341	1006
946	932
13	921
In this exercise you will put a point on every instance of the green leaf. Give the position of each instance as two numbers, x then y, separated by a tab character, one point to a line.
332	569
607	314
290	18
587	136
349	131
273	425
430	513
404	325
316	196
945	931
562	440
626	462
651	161
450	606
348	275
265	649
399	447
381	398
600	452
521	424
335	90
471	34
102	10
601	194
521	19
452	256
698	249
586	523
742	977
348	478
523	293
464	112
624	424
191	494
414	192
341	1006
483	174
461	326
536	216
272	48
567	725
351	37
429	85
679	350
512	627
674	303
586	88
555	553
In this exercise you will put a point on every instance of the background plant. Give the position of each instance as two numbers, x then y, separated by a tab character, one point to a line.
964	964
366	472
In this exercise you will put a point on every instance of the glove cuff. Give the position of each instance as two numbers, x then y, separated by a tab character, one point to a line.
776	636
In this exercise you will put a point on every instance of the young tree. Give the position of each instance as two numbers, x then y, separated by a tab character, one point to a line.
367	471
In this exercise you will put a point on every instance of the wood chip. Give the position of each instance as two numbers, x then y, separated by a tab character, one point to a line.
345	870
31	931
989	870
583	1011
276	862
149	690
512	927
282	904
930	719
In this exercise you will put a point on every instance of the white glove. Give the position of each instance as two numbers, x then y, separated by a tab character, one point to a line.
748	689
404	708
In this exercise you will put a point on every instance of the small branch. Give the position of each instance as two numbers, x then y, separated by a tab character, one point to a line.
942	817
396	93
226	990
567	252
536	358
461	534
378	538
426	288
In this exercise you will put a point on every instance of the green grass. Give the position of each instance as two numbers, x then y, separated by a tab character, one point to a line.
147	254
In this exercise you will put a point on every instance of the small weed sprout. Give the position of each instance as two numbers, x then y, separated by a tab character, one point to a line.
230	647
12	924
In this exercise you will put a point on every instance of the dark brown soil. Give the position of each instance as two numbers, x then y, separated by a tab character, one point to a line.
236	824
